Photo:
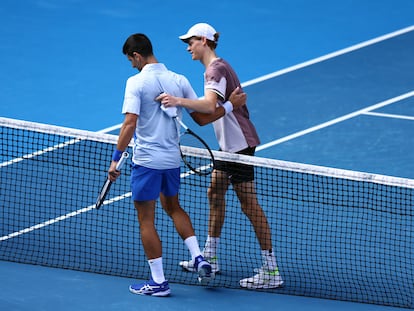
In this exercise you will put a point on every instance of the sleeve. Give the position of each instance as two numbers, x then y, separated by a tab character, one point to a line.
132	98
188	91
215	81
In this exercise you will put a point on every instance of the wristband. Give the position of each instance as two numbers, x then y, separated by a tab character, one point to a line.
116	155
228	107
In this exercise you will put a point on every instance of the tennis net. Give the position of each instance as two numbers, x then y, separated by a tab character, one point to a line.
337	234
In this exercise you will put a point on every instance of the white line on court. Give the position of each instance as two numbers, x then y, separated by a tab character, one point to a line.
63	217
337	120
329	56
71	214
40	152
389	115
111	128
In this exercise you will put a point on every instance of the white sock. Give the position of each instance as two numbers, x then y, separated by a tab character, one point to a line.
193	246
269	259
210	248
157	271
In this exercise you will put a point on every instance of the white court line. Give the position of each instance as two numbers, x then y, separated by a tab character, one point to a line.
330	55
261	147
389	115
40	152
334	121
63	217
71	214
111	128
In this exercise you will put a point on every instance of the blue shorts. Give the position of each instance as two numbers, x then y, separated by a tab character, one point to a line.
148	183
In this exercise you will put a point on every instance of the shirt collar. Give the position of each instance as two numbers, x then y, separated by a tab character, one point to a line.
154	67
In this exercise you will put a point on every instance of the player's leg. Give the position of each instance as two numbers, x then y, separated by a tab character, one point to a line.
217	202
268	275
149	236
250	206
182	223
145	185
216	196
180	218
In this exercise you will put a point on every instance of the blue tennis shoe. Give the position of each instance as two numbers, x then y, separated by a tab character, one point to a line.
203	268
150	288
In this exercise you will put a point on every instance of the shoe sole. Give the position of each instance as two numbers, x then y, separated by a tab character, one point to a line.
183	264
156	294
264	286
205	280
204	277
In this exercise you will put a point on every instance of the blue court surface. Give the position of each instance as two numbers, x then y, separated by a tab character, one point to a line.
329	83
27	287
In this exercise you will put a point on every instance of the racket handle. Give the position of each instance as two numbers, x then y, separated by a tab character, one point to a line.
182	124
122	160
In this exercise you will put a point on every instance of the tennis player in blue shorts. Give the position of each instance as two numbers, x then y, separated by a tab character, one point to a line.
155	161
235	133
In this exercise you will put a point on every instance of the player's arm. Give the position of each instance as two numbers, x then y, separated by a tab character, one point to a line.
205	105
125	136
237	99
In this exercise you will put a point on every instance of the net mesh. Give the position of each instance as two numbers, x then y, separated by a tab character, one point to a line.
336	234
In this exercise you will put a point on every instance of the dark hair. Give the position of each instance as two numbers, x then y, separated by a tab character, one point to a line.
213	44
139	43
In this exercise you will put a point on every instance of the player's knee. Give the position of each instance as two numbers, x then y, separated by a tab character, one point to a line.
172	209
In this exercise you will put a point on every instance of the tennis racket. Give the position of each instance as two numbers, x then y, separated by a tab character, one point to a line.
201	160
108	183
195	152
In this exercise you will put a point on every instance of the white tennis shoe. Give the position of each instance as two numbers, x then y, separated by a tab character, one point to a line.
264	279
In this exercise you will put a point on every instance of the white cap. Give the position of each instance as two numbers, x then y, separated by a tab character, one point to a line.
200	30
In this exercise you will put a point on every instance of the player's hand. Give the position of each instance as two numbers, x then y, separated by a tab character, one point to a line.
167	100
113	174
238	98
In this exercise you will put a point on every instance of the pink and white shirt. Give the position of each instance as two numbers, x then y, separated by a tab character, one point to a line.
234	131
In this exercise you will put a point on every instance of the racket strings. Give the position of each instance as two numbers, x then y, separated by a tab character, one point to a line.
202	165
